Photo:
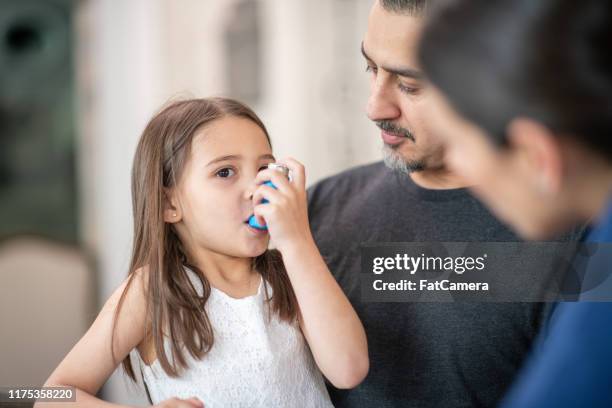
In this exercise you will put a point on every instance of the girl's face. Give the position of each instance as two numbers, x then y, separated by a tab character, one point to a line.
521	183
212	200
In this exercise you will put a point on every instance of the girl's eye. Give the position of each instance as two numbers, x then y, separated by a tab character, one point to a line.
263	167
225	172
370	68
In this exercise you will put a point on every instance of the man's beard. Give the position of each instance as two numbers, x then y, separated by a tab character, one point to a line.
393	159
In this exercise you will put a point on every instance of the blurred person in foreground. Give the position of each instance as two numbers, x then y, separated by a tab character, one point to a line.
523	99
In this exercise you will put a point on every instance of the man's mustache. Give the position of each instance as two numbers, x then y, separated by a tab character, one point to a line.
389	127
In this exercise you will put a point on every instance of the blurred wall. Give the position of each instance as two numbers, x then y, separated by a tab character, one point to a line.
306	80
37	175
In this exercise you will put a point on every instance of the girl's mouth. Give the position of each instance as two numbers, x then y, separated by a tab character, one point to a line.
254	230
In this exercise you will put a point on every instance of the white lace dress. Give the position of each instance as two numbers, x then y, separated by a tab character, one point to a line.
254	362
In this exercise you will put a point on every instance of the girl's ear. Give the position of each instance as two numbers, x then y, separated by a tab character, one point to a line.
172	211
541	152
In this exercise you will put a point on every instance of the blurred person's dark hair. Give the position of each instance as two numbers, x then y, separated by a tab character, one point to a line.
411	7
549	60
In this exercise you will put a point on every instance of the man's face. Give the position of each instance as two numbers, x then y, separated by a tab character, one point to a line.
398	95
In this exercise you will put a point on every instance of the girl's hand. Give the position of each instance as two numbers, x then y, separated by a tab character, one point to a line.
192	402
286	214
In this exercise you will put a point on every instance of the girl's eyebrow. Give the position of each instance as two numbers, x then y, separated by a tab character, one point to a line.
237	157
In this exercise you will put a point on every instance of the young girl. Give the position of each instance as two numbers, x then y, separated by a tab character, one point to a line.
213	315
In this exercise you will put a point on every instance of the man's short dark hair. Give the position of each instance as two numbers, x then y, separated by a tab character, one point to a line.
410	7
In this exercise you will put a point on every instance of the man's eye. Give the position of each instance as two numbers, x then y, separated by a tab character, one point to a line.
370	68
263	167
225	172
408	89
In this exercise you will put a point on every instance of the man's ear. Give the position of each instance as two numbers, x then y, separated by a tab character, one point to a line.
172	211
542	152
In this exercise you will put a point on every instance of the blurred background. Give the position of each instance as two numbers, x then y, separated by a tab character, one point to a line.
79	79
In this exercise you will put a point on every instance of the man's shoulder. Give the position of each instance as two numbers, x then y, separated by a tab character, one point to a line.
347	181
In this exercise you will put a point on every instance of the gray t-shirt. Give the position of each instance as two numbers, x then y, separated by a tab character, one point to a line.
421	354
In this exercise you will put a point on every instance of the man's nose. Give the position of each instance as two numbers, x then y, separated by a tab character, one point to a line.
382	104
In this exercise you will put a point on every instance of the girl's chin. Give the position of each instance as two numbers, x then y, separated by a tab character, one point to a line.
253	251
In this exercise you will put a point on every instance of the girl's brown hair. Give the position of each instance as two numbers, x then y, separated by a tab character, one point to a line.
172	302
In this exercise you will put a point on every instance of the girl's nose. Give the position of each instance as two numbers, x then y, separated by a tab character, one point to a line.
249	191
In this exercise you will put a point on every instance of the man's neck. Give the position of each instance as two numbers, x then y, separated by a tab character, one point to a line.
438	179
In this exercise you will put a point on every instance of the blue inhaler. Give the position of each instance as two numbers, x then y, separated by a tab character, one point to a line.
277	167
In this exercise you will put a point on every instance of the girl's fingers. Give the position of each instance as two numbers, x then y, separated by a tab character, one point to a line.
260	220
192	402
195	402
278	179
265	192
262	211
298	172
